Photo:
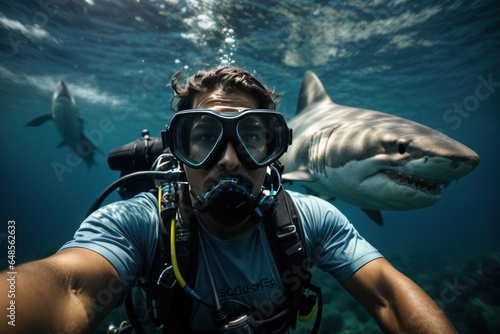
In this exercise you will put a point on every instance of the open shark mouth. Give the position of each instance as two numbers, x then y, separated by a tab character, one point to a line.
433	188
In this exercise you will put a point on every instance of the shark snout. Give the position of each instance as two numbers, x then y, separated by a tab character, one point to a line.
463	160
441	156
443	169
469	162
62	91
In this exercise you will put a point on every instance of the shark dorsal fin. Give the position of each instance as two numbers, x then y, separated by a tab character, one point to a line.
312	91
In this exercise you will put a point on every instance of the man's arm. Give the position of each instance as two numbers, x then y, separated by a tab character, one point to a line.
69	292
396	302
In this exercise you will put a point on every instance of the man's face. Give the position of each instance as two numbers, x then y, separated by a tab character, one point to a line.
228	165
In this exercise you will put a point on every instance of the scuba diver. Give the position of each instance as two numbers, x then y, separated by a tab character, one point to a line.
217	245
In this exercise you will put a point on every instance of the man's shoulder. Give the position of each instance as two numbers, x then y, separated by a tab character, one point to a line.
312	208
138	208
307	199
145	197
145	200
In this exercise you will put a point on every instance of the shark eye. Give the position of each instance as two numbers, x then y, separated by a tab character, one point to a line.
401	148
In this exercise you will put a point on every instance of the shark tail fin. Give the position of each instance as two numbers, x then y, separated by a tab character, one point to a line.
40	120
89	157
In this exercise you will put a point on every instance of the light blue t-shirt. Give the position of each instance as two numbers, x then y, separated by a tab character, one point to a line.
244	272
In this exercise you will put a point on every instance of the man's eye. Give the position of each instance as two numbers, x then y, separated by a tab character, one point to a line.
253	139
203	137
253	136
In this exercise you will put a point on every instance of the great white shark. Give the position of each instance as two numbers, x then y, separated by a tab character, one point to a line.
69	124
367	158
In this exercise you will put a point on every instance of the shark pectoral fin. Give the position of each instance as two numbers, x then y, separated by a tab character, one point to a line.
40	120
299	175
375	215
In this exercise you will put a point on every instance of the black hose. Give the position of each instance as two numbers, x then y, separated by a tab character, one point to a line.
168	176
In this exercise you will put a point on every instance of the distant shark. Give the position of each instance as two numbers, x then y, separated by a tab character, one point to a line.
69	124
370	159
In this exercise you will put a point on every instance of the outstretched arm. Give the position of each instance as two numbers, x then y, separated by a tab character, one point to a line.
397	303
69	292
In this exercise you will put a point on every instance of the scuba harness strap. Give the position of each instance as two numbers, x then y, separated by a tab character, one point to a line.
161	288
165	290
284	228
170	310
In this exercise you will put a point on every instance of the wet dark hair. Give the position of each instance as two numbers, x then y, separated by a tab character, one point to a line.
228	79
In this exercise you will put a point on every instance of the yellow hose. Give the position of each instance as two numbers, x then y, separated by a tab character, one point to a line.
175	266
160	193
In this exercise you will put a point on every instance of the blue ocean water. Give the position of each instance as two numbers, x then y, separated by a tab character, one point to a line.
421	60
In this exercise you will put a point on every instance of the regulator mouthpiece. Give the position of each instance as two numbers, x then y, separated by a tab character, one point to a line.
228	202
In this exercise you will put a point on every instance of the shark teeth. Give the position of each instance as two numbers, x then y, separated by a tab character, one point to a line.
434	188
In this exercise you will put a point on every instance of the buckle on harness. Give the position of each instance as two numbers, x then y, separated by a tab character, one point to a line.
286	231
167	278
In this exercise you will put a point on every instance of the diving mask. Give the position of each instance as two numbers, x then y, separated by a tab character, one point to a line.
198	137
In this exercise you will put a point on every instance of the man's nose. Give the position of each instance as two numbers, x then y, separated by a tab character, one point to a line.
229	157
